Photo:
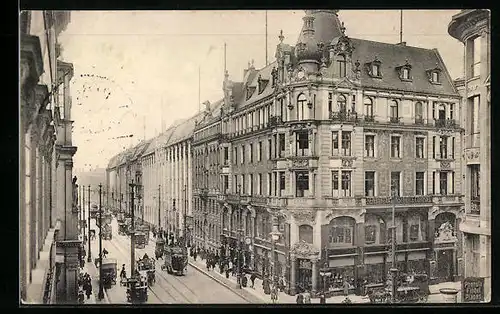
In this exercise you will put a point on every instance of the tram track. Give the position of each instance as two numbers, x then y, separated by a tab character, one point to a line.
159	275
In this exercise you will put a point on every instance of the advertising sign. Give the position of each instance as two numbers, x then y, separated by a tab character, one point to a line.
473	290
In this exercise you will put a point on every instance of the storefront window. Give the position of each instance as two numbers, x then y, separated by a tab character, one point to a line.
339	275
341	231
370	234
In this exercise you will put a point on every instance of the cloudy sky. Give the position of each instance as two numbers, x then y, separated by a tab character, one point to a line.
141	67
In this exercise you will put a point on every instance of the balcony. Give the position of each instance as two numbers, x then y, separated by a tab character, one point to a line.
404	200
370	119
447	199
445	123
343	116
275	121
475	208
394	119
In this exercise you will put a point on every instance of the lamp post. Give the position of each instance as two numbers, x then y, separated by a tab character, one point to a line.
238	243
325	272
275	236
394	269
174	231
132	241
159	212
101	291
89	258
184	237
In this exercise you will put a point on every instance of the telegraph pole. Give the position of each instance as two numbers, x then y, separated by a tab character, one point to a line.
89	258
101	291
159	211
132	241
185	212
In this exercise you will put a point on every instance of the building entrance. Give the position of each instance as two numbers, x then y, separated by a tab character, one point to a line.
444	259
304	277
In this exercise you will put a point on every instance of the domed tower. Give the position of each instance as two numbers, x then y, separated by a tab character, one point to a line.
319	29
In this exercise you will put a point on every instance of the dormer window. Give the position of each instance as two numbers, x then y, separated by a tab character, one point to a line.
250	91
434	75
262	84
404	72
374	68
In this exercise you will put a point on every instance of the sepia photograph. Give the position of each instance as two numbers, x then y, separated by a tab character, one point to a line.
314	156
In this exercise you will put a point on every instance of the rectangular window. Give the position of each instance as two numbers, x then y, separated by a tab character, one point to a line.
474	189
226	156
443	147
434	110
369	183
250	184
419	183
370	234
269	183
275	180
419	147
243	184
302	144
414	228
335	143
259	191
235	157
302	183
269	148
434	182
242	154
476	57
375	71
335	183
235	184
259	151
370	145
453	182
443	182
452	148
395	183
346	184
282	183
330	102
226	184
395	147
346	143
275	141
433	147
250	153
282	145
451	111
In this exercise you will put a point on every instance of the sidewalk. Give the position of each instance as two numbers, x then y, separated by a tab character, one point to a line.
94	276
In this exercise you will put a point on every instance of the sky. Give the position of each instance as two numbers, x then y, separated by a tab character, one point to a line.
143	67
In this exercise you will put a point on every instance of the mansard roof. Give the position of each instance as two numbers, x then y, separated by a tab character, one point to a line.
207	118
265	74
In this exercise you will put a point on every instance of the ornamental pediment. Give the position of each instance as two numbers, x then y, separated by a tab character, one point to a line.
303	249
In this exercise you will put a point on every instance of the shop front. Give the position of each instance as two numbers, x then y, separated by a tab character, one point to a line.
443	264
304	268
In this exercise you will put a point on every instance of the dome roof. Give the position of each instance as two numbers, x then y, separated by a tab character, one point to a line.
320	27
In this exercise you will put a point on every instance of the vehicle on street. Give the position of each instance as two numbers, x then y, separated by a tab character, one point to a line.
146	266
137	290
109	272
140	240
159	248
144	229
122	228
107	232
94	211
175	260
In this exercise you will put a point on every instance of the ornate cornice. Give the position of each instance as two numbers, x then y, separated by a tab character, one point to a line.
469	22
64	69
31	60
304	216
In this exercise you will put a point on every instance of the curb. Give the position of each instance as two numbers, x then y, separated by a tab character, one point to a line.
223	283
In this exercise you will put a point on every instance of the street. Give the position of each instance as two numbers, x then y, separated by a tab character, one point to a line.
193	287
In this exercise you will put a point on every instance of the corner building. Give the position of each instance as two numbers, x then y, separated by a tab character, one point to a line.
473	28
316	143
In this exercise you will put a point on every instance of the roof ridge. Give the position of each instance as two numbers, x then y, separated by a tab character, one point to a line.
390	44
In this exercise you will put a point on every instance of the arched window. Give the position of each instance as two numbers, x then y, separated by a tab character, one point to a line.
341	61
418	111
415	228
375	229
368	103
301	106
394	110
306	233
341	231
342	103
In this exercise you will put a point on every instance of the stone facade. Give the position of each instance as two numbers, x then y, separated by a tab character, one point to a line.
48	268
472	27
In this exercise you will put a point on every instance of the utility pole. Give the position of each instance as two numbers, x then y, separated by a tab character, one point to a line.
132	240
184	214
394	269
89	258
101	291
159	211
238	249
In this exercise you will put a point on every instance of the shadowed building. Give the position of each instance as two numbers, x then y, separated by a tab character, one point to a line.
472	27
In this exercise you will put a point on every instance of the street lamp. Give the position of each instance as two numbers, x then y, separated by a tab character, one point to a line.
238	243
325	272
101	291
275	236
394	269
89	258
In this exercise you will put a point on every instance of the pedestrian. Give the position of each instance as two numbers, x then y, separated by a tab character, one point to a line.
88	288
81	296
300	298
346	287
104	253
195	254
208	264
307	297
281	284
227	273
322	299
252	279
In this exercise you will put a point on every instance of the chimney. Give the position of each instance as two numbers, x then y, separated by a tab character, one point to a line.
403	43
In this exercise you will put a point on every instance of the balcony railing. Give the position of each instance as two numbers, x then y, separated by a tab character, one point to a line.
343	116
445	123
369	118
275	121
475	208
383	200
394	119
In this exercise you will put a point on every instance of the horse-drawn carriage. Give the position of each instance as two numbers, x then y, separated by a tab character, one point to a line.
137	289
107	232
143	228
146	266
175	260
140	240
108	272
122	228
410	289
159	248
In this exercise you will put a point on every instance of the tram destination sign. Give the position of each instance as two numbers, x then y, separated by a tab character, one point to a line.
473	290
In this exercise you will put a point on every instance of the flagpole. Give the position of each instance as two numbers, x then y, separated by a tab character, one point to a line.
400	26
266	40
225	59
199	88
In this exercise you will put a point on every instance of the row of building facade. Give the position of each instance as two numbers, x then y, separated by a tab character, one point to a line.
320	145
49	241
